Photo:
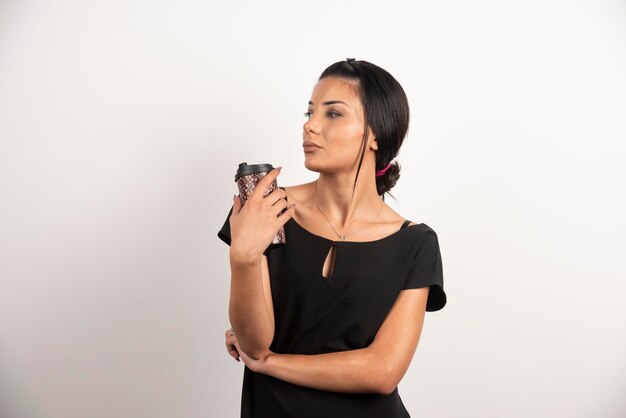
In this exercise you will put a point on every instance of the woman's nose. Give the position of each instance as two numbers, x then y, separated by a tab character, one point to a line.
310	126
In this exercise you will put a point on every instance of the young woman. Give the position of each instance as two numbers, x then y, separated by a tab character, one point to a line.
327	324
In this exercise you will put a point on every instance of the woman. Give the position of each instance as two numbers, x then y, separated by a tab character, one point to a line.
327	324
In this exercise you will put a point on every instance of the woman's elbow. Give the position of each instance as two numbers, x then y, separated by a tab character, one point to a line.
258	354
388	381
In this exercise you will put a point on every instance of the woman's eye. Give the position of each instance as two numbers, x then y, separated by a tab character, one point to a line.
331	114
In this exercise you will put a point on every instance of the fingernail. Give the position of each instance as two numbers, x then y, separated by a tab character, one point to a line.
279	168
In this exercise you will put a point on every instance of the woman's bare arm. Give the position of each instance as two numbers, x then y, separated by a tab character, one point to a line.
374	369
250	309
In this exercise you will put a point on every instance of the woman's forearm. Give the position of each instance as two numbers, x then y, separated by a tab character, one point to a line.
354	371
248	311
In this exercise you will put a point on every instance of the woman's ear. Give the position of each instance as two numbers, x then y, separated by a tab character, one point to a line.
372	139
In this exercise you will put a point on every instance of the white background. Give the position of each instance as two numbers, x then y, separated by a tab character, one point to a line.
121	126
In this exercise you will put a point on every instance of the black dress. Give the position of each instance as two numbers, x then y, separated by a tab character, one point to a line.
316	315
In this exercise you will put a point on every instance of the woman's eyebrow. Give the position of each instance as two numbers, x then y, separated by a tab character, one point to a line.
331	102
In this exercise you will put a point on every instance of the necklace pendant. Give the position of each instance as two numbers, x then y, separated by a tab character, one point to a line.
343	237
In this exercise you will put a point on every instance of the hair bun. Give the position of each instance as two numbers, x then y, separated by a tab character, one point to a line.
389	179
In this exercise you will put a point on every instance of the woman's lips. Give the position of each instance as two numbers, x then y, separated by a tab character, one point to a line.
309	146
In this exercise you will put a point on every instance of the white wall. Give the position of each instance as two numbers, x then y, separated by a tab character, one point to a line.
121	125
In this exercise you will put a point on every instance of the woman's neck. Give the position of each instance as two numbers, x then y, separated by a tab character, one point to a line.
334	196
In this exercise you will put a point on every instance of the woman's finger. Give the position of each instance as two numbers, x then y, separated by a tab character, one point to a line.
277	195
231	347
287	214
264	184
279	207
236	205
233	353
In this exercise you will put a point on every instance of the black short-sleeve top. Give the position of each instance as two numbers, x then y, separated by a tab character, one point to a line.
315	315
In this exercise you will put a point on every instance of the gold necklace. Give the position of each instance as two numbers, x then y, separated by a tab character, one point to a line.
341	236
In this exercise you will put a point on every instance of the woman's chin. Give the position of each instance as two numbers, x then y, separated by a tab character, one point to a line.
310	164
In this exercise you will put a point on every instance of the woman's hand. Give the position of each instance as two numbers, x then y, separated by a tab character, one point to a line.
237	353
232	346
253	225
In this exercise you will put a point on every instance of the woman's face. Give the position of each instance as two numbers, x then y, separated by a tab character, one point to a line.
335	123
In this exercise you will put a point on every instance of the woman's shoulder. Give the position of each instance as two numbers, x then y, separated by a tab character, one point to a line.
298	189
298	193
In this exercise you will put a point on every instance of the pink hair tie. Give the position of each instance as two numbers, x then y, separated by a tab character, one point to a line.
384	170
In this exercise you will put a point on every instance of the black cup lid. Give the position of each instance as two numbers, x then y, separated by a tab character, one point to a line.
245	169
